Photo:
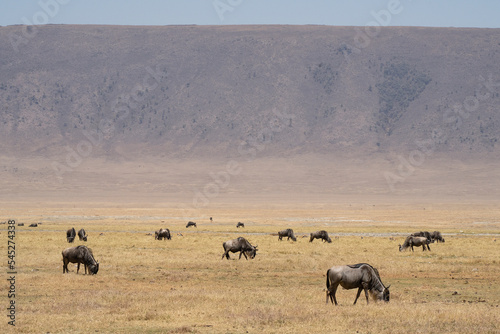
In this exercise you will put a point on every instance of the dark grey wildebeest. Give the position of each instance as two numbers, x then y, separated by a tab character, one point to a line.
436	236
163	233
415	241
320	235
239	245
361	276
189	224
82	235
70	235
80	254
287	233
240	224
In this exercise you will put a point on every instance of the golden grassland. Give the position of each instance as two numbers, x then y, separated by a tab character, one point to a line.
183	285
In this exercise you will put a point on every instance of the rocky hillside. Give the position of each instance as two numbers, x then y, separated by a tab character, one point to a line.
179	92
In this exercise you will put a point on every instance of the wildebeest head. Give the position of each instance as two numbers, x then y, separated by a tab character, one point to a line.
386	295
94	268
252	253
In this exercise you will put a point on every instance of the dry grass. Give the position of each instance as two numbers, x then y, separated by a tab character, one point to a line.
183	286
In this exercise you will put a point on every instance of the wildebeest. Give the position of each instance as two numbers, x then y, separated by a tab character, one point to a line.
80	254
189	224
82	235
239	245
436	236
240	224
163	233
423	234
362	276
287	233
71	234
320	235
415	241
33	225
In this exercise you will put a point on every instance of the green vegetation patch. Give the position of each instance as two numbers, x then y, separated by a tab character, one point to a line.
401	85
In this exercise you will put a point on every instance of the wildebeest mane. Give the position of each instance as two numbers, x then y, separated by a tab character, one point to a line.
358	265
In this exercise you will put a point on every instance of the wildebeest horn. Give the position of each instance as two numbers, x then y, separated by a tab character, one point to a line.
387	287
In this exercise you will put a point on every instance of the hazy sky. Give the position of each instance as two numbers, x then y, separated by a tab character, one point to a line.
438	13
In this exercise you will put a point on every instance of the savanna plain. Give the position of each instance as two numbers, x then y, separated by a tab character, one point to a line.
183	286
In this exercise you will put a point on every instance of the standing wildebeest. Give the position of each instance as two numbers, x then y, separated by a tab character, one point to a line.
33	225
163	233
189	224
71	234
320	235
423	234
287	233
362	276
82	235
436	236
80	254
239	245
415	241
240	224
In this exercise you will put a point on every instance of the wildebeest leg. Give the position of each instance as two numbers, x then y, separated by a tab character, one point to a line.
358	294
65	266
365	287
226	254
242	252
428	247
78	267
332	291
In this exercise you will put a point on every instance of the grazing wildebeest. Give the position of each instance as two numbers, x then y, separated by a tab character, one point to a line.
287	233
189	224
239	245
82	235
436	236
320	235
423	234
163	233
362	276
415	241
71	234
240	224
33	225
80	254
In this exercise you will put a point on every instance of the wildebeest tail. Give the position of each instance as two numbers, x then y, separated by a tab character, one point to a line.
327	285
327	279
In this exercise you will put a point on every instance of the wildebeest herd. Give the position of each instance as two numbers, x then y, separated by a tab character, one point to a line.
362	276
422	238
